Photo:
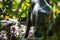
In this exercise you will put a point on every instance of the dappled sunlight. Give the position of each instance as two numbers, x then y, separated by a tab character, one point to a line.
29	19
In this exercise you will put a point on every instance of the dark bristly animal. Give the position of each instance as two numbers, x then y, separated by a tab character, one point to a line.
38	16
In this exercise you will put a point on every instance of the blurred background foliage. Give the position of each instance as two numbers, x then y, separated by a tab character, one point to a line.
19	8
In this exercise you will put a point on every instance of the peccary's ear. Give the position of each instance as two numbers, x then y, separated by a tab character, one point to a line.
46	8
42	3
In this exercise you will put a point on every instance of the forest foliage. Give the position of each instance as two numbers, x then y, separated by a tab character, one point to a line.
19	8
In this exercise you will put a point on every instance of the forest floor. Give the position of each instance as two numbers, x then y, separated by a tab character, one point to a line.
54	37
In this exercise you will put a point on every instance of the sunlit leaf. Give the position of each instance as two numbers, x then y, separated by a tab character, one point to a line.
23	15
19	13
54	8
1	16
18	1
27	0
14	3
27	4
50	1
20	10
58	3
24	7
